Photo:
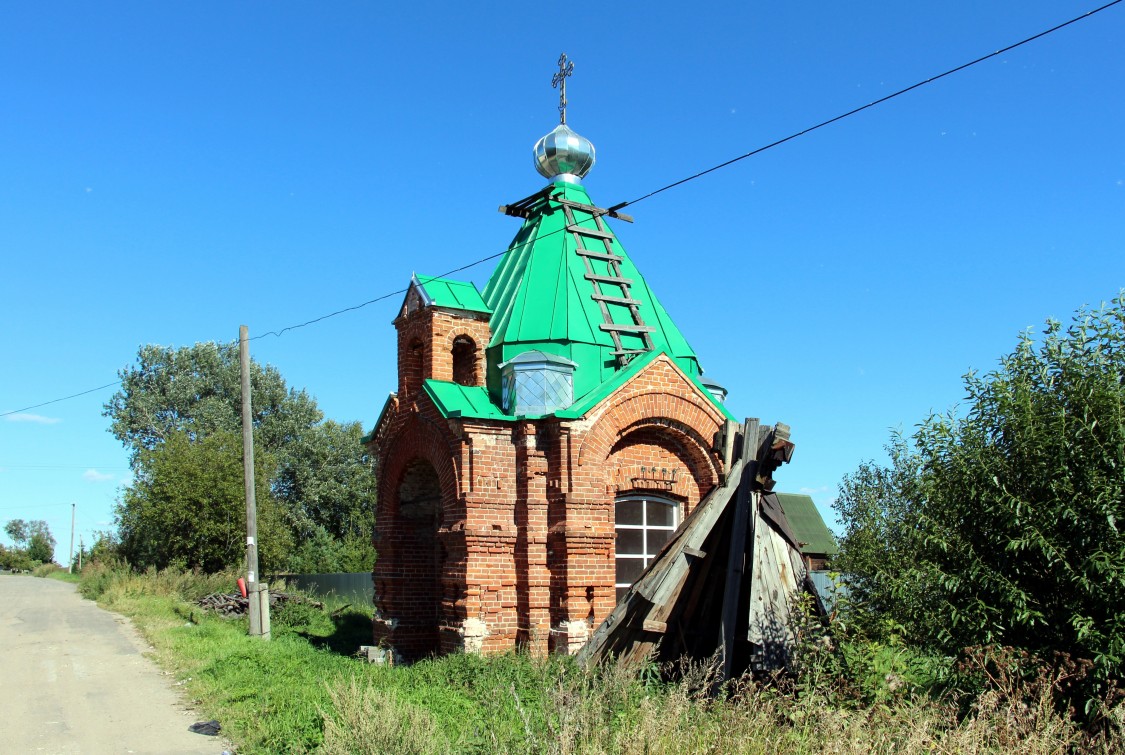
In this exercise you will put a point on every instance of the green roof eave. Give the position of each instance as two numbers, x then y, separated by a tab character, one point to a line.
455	400
807	524
452	294
383	413
621	377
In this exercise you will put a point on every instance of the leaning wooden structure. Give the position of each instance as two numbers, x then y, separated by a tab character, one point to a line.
727	580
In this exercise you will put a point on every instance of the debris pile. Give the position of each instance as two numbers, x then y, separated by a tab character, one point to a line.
233	604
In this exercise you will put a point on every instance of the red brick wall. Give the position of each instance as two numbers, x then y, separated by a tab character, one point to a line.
524	547
426	342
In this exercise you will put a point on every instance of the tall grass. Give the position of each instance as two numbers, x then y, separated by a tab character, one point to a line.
303	692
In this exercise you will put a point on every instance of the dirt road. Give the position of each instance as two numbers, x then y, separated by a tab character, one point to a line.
75	680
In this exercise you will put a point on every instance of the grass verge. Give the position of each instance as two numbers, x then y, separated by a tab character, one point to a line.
301	692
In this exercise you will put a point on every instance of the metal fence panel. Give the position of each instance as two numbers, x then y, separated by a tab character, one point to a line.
354	587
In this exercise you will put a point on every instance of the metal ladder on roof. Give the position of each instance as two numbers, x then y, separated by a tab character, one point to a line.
622	297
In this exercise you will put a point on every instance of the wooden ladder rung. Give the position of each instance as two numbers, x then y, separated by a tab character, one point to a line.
591	232
609	279
608	256
620	328
622	300
593	210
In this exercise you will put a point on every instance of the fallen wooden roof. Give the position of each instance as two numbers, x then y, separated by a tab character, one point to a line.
726	579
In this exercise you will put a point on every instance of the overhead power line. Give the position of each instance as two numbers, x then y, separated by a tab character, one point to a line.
674	184
64	398
860	109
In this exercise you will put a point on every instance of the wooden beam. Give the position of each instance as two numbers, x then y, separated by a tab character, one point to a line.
622	300
591	232
608	257
736	557
614	279
626	328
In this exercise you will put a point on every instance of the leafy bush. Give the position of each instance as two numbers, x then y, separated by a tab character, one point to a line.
1000	525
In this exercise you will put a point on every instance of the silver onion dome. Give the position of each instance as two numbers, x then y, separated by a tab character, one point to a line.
563	155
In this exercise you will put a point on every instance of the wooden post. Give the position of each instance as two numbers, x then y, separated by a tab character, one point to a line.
736	558
70	561
252	584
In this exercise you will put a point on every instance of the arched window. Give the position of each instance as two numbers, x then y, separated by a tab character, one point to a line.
643	524
411	378
464	361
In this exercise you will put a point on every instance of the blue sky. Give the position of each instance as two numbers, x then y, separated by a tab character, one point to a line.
173	170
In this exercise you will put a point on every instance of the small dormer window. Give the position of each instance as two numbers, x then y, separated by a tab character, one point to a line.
718	392
537	383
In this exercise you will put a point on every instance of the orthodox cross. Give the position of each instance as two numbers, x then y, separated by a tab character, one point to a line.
566	68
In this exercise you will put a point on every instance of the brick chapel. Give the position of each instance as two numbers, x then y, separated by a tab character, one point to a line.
548	435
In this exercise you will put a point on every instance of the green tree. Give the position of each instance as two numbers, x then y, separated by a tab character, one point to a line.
197	390
1003	523
17	530
330	488
40	543
187	507
321	475
33	539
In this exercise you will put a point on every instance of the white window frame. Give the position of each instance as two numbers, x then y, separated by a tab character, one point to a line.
647	555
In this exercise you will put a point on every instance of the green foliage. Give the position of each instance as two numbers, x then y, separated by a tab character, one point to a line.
329	490
34	544
41	546
187	508
1004	524
320	476
197	390
17	529
15	559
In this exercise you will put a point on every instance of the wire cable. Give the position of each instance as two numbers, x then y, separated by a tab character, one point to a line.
674	184
57	400
871	104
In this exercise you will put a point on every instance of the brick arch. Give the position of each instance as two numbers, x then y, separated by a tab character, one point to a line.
678	441
677	413
661	444
475	330
478	365
418	438
410	570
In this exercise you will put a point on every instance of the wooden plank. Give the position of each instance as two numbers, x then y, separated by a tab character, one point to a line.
660	584
652	625
736	557
622	300
595	210
656	587
626	328
607	256
593	233
609	279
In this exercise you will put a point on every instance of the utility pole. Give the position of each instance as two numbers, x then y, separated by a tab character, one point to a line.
70	561
259	600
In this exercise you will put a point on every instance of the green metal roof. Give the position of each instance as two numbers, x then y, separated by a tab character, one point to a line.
454	400
596	396
451	294
807	524
540	299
